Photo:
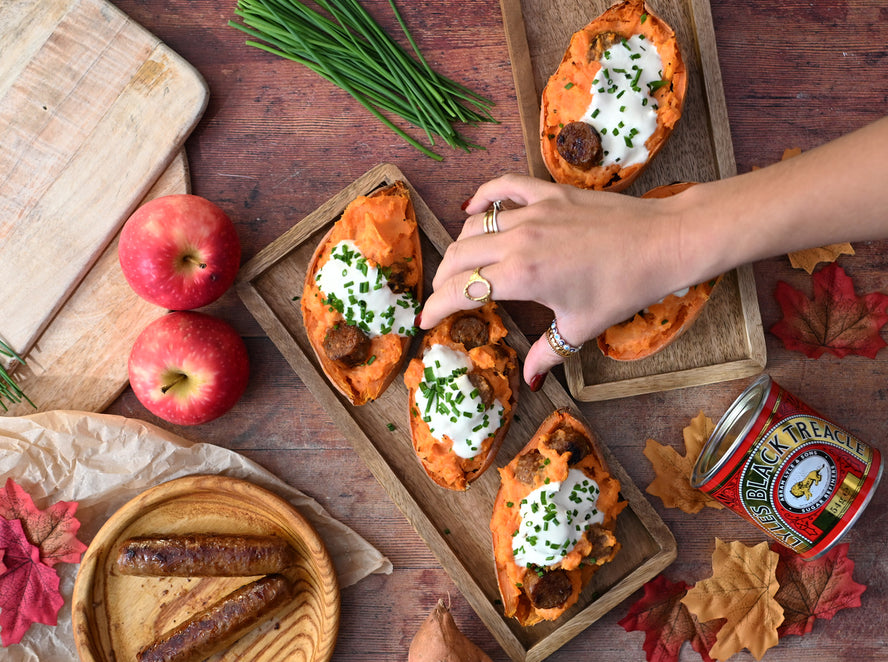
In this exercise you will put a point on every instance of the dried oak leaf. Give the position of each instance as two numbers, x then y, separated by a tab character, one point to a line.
673	481
667	623
53	531
836	320
814	589
29	589
741	590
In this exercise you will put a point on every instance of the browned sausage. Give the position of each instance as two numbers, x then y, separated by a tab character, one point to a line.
220	624
548	590
348	344
528	466
579	144
471	331
204	555
602	42
396	275
567	440
485	390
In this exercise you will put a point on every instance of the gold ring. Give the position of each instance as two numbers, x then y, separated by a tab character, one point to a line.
561	347
476	277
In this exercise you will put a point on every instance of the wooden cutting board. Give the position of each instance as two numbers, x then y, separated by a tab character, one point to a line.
93	109
80	360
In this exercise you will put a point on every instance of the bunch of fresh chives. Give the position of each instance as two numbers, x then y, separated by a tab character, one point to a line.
9	390
348	48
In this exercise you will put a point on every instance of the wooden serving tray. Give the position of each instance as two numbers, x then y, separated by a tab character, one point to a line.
454	525
116	615
727	341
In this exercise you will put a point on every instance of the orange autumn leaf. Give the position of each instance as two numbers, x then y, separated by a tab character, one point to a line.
741	590
809	258
673	481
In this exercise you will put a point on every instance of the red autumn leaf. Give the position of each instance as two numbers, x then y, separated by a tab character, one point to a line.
29	589
814	589
667	623
53	531
836	320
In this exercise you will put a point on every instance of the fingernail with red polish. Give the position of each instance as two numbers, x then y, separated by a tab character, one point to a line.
417	320
465	204
537	382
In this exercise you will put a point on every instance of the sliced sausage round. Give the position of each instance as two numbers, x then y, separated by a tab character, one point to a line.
347	344
485	390
567	440
548	590
469	330
579	144
528	466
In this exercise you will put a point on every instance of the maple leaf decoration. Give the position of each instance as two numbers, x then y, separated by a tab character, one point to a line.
673	481
667	623
29	589
741	589
814	589
836	320
53	530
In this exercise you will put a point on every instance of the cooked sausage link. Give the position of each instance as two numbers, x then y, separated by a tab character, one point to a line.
548	590
485	390
567	440
347	344
528	466
221	624
469	330
579	144
204	555
602	42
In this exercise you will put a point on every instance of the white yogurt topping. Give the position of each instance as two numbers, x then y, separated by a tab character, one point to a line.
553	519
623	111
361	293
451	405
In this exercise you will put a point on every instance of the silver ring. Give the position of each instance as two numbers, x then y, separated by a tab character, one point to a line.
490	224
476	277
558	344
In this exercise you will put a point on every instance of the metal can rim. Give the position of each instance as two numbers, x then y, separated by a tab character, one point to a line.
750	402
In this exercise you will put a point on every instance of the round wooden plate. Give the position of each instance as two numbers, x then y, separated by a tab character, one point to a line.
114	616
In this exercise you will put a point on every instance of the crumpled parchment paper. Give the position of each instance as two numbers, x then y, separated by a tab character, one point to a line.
103	461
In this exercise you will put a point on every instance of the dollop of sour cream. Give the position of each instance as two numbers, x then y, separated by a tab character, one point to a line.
554	517
623	110
448	401
361	293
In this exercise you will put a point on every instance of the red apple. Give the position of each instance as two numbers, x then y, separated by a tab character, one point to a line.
179	251
188	367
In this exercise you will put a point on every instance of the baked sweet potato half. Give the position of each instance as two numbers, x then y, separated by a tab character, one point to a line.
462	391
362	292
553	520
658	325
614	99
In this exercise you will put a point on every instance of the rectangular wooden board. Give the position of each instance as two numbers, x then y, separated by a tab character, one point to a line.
727	341
93	108
455	525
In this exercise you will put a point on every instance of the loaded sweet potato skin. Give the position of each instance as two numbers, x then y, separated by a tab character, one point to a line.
477	334
383	227
561	443
660	324
569	92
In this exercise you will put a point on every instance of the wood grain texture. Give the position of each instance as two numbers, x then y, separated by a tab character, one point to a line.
80	359
92	110
116	615
455	525
277	141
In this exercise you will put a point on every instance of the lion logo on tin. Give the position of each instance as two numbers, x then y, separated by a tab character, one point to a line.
803	487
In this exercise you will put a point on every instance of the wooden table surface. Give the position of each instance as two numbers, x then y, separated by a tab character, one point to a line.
276	141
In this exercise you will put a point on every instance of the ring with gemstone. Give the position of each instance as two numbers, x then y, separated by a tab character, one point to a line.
561	347
476	277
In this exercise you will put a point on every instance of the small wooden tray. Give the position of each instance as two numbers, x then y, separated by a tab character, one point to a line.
115	615
727	341
454	525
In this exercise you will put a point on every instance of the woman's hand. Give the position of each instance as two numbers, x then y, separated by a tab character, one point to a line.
593	258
